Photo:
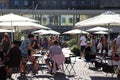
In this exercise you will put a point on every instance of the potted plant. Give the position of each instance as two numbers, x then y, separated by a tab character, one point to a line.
76	50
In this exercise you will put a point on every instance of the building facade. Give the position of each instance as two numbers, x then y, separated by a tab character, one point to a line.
110	4
19	4
4	4
60	15
64	4
54	4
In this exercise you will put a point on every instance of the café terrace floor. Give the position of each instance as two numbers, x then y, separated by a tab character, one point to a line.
82	72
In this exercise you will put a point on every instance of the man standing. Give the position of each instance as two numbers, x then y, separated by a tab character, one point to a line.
82	44
25	45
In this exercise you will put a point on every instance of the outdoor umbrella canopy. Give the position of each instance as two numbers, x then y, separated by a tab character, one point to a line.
101	32
22	25
75	31
11	19
6	30
106	19
98	29
42	31
52	32
15	18
40	26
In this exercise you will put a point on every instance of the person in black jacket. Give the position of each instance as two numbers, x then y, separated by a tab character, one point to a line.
3	72
13	58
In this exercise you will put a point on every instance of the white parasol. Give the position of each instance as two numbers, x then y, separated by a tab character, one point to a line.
101	32
75	31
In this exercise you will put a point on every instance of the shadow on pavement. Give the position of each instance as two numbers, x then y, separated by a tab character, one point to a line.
103	78
60	76
57	76
94	69
22	77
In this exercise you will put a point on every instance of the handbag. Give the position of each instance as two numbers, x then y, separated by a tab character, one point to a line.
98	64
67	60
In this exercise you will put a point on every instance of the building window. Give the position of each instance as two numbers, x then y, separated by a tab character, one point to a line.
84	17
73	3
82	3
44	3
16	2
92	3
45	19
70	20
51	19
63	20
54	3
26	2
67	20
2	5
64	3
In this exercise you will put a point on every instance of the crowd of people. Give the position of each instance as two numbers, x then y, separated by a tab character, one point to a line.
16	54
89	45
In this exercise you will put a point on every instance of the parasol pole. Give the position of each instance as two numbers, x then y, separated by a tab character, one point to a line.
108	36
12	32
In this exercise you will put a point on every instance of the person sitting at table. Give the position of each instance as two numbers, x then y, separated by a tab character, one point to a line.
115	60
53	51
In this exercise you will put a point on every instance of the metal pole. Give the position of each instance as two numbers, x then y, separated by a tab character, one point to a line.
108	36
12	36
33	8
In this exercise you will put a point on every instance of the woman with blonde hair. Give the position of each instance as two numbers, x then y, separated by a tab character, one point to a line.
6	43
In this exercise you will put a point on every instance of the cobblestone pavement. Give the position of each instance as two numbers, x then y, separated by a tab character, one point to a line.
82	73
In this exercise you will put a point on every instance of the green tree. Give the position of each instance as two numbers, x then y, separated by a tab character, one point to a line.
18	35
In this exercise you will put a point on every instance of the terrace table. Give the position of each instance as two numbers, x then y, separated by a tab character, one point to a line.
40	57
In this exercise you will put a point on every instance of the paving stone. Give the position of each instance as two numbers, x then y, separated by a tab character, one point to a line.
82	73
